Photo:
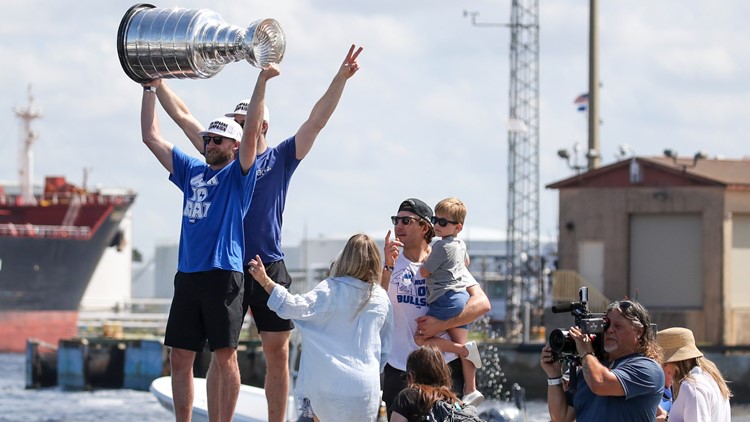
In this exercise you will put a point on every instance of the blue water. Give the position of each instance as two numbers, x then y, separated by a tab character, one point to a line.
54	405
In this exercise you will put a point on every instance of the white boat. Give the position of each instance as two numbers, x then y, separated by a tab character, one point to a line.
251	404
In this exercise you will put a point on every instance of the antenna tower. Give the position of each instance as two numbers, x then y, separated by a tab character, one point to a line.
526	288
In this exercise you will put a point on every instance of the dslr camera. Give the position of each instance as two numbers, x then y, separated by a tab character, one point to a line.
562	345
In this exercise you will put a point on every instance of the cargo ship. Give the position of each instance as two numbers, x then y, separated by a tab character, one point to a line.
52	238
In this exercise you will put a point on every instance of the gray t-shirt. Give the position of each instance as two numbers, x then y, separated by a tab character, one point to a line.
447	268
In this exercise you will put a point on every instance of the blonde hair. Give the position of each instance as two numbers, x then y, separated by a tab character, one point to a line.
360	259
452	208
682	372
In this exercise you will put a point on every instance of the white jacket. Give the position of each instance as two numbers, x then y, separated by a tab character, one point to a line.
343	351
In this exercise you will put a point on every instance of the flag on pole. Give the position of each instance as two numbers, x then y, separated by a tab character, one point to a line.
582	102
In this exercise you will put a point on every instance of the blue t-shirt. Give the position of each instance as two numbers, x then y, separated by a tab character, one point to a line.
666	399
643	381
213	205
263	222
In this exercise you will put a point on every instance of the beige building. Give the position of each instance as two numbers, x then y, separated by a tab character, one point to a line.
673	234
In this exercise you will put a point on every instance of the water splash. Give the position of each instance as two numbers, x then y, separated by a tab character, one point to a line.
491	379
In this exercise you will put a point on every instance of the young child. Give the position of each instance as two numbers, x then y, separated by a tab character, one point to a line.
447	277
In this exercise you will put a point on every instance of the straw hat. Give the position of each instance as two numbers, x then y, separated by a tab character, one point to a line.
678	344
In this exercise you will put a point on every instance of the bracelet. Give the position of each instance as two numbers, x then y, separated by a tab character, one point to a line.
149	89
387	267
554	381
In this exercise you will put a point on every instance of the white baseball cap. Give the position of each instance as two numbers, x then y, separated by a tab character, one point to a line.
224	126
241	109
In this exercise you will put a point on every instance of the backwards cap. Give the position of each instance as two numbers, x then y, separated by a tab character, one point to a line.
241	110
417	207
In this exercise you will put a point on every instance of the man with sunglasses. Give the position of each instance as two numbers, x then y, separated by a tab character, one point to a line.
407	290
208	286
263	222
626	385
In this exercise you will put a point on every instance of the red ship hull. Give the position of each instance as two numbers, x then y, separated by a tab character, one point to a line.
48	255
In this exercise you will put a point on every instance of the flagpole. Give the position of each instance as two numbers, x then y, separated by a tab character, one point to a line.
594	151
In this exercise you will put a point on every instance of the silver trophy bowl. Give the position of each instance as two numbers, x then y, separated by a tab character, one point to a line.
191	43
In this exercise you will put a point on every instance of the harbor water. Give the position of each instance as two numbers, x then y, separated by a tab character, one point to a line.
54	404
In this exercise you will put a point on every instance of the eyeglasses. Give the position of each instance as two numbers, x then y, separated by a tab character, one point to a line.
217	139
442	222
242	123
405	220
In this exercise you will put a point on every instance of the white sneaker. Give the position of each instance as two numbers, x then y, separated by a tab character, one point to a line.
473	398
473	354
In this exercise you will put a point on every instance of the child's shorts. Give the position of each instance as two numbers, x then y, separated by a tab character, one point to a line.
450	304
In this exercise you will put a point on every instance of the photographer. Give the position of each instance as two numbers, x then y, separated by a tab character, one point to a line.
626	385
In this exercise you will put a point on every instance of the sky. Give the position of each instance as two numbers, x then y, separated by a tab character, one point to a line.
426	115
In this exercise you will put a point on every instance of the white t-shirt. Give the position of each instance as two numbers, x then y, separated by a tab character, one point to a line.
407	291
700	400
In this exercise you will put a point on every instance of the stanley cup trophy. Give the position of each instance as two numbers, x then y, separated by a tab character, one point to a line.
191	43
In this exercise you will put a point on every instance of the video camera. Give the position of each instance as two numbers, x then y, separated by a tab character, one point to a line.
562	345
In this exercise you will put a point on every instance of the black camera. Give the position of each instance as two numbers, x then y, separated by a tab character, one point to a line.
590	323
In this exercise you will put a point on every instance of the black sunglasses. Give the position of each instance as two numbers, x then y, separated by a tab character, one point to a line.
217	139
405	220
442	222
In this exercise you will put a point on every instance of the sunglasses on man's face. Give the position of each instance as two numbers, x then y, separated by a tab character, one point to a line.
405	220
217	139
241	123
442	222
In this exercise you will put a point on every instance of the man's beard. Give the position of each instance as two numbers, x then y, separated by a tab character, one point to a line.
219	157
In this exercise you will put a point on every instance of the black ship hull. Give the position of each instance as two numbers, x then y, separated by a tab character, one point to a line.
51	274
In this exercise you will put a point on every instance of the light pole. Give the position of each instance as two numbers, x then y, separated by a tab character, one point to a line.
670	153
575	160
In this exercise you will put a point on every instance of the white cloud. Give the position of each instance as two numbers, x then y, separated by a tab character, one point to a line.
424	117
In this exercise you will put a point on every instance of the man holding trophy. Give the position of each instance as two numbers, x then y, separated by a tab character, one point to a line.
198	45
209	287
276	165
207	302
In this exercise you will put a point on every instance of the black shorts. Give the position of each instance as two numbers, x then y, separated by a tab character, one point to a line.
394	381
256	298
206	305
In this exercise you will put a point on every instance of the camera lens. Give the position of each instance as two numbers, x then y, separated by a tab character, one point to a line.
560	342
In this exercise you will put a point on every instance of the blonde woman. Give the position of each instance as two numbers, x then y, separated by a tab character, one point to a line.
699	390
346	323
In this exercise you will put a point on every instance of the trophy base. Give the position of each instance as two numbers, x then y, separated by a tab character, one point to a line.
121	41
